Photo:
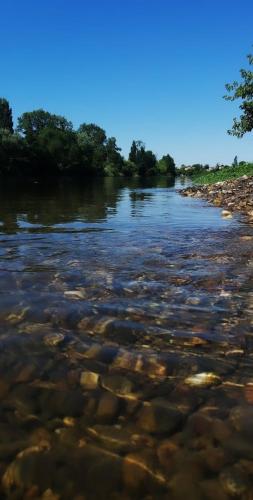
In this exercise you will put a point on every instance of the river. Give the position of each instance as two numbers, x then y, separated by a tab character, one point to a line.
126	319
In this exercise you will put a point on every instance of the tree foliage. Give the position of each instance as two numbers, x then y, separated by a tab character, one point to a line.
14	155
134	150
166	166
46	144
6	121
61	149
243	91
31	123
114	161
92	134
144	161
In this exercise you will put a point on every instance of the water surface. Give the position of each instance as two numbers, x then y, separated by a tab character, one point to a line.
115	296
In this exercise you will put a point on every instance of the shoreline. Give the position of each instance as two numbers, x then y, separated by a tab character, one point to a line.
234	195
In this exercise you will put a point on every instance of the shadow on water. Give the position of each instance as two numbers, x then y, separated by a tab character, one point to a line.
126	319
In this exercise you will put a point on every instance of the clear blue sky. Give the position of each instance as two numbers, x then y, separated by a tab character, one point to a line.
143	69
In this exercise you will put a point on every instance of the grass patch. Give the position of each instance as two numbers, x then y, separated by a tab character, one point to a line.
224	174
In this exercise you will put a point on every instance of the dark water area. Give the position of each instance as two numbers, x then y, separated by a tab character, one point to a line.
126	366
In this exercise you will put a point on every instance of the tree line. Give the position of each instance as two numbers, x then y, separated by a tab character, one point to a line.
44	144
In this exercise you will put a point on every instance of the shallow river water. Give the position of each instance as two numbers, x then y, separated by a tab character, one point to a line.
126	367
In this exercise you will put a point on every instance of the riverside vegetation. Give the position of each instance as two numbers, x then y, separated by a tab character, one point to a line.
45	144
223	174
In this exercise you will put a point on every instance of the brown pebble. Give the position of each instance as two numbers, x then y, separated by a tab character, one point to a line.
166	452
25	374
221	430
89	380
213	458
248	393
108	407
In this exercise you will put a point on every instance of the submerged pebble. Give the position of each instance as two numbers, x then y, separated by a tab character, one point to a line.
54	339
227	214
126	349
119	384
235	482
159	416
89	380
203	380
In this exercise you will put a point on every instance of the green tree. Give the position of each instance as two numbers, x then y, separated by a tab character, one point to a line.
30	124
166	166
129	168
45	144
92	141
242	90
114	160
6	121
136	152
61	148
91	134
14	153
133	152
145	161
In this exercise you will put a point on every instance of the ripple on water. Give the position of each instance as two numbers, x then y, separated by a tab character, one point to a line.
126	340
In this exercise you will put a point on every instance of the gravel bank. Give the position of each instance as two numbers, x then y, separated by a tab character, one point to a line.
232	195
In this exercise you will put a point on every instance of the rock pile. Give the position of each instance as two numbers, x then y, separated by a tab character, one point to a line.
233	195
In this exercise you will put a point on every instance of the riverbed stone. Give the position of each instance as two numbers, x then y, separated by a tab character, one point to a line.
39	435
29	470
166	452
113	438
55	403
211	489
214	458
204	379
103	474
118	384
186	484
241	419
68	436
54	339
140	476
108	408
69	421
226	214
248	393
234	481
50	495
26	373
221	430
199	424
159	416
89	380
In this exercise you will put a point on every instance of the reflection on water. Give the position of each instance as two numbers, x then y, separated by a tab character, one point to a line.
126	340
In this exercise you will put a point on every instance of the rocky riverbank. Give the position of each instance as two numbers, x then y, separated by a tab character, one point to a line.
232	195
